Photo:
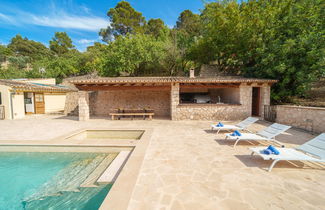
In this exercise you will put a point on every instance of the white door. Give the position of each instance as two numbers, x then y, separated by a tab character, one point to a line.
29	103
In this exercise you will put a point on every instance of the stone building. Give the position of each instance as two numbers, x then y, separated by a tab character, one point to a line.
175	98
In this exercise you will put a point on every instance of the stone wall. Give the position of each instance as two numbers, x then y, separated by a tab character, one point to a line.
102	102
83	101
71	100
210	112
174	101
265	98
166	103
71	104
307	118
218	111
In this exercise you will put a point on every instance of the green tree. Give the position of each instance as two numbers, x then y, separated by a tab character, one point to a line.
24	47
189	23
282	40
156	28
124	19
4	52
61	43
132	54
185	35
92	59
18	62
293	48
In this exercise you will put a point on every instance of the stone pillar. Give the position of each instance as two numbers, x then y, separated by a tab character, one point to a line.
265	97
174	100
245	94
83	102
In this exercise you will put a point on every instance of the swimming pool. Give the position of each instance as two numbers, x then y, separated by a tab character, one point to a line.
107	134
39	180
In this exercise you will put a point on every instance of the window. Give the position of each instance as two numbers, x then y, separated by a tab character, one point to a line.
220	95
198	98
39	98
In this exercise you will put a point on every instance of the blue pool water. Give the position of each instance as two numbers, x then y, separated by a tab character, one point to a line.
49	181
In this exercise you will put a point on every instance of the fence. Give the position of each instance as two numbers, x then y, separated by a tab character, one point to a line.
2	112
270	113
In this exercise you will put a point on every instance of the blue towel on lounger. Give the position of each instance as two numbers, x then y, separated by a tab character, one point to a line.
270	150
274	150
235	133
266	151
220	124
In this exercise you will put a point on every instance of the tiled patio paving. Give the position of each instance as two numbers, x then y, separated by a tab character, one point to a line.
189	167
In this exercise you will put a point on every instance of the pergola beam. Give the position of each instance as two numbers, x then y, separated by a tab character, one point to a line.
184	86
107	88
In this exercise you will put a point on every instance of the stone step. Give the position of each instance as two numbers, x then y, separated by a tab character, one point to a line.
92	178
110	174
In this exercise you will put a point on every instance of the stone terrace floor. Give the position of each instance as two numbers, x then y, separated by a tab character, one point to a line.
187	166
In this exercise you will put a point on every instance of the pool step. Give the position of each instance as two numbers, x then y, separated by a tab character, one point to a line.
114	168
66	180
87	198
92	178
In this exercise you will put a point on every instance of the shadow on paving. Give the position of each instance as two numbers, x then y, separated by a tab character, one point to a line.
73	118
241	143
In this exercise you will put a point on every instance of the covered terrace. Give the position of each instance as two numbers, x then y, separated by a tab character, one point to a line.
176	98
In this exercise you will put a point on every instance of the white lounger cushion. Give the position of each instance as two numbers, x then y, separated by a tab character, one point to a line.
247	136
315	147
227	127
313	150
273	130
240	126
266	134
285	154
247	122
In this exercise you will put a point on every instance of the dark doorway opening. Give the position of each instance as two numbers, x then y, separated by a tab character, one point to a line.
256	101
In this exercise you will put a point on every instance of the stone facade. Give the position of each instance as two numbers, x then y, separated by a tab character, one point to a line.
265	98
83	102
102	102
71	104
218	111
210	112
166	103
307	118
174	101
71	101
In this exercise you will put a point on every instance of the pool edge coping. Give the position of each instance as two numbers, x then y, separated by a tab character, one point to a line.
121	192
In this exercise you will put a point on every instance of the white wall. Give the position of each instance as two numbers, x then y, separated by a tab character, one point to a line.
18	105
54	102
5	96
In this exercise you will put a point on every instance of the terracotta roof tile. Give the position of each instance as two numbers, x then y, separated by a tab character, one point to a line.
34	86
110	80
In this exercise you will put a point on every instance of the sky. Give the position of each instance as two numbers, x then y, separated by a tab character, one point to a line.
82	19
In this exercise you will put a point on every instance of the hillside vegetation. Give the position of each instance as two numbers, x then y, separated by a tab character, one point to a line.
281	40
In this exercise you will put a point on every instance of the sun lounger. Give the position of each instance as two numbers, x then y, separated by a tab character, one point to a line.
313	150
240	126
267	134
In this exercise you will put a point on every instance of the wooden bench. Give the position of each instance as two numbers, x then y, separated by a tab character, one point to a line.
150	115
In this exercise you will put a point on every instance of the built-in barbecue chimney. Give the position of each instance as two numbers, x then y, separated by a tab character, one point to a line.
192	75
